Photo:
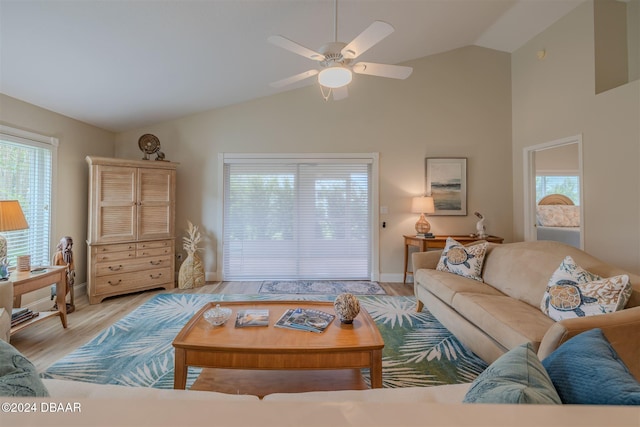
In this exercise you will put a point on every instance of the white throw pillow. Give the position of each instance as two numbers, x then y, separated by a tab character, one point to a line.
462	260
574	292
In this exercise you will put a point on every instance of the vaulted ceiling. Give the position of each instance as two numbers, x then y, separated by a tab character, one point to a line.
121	65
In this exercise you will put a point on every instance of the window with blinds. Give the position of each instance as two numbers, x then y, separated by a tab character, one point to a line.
297	218
568	185
26	175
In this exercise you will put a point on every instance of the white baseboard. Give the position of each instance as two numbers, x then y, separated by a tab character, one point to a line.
394	278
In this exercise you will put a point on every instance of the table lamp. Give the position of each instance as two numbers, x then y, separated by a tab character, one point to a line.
11	218
423	205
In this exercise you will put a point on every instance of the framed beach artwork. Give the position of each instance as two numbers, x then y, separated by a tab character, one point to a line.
446	182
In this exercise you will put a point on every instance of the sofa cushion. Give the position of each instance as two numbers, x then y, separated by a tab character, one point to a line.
445	285
516	377
587	370
18	376
508	321
575	292
463	261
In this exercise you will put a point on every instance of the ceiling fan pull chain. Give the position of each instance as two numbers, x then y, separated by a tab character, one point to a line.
327	95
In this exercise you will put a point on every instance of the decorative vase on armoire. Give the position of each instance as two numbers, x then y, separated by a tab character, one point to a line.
191	274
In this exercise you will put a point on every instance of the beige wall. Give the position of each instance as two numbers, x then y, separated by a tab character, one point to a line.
565	158
455	104
77	140
554	98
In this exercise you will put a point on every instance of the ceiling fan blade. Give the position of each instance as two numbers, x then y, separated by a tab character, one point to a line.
366	39
382	70
293	79
340	93
294	47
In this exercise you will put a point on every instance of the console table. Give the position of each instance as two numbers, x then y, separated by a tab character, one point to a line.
437	242
26	281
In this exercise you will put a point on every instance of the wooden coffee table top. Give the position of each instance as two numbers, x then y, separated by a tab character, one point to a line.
198	334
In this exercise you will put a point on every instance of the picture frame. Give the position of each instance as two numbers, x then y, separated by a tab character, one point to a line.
446	182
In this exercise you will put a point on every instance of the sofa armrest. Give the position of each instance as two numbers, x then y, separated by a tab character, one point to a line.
5	325
427	259
6	303
621	329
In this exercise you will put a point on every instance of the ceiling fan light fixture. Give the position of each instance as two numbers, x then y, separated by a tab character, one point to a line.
335	77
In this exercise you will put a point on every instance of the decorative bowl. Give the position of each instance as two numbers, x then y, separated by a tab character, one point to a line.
218	315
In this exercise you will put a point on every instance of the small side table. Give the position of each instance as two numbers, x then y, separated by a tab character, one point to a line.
437	242
26	281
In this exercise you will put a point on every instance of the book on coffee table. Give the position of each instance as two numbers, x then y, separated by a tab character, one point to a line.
252	317
305	320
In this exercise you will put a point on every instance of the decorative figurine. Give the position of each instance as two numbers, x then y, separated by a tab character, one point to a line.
480	230
191	273
64	256
347	307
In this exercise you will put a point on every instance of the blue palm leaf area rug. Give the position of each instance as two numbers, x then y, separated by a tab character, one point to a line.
137	351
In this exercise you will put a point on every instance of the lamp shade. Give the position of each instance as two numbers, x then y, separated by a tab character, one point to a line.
335	77
422	205
11	216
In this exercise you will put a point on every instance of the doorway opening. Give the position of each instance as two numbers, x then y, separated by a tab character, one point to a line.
553	188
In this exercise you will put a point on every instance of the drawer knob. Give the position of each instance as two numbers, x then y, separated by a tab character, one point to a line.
155	277
115	268
155	262
116	283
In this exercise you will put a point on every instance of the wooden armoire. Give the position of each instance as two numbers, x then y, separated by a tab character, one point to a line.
131	230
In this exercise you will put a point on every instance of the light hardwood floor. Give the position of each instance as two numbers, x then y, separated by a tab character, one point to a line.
47	342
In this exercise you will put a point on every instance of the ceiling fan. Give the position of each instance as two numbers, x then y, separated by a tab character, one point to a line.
336	59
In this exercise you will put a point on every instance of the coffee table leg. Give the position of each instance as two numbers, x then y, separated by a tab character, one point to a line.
180	370
376	369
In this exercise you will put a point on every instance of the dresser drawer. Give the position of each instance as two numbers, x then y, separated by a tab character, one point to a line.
116	283
119	247
115	256
153	252
128	266
154	244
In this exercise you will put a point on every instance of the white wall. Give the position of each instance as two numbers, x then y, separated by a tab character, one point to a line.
455	104
77	140
554	98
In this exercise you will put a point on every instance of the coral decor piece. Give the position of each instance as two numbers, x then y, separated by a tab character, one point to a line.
347	307
191	274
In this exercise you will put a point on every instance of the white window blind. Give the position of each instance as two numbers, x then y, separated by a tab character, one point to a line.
297	219
26	175
568	185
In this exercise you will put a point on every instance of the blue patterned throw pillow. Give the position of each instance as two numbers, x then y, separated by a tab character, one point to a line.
462	260
516	377
587	370
574	292
18	376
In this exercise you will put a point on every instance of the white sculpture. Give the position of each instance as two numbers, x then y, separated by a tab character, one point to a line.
480	229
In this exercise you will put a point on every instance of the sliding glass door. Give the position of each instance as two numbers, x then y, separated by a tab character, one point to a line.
297	218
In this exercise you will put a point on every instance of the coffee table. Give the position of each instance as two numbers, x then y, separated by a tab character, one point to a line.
314	358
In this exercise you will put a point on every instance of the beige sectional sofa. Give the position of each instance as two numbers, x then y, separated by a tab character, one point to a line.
77	403
503	311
